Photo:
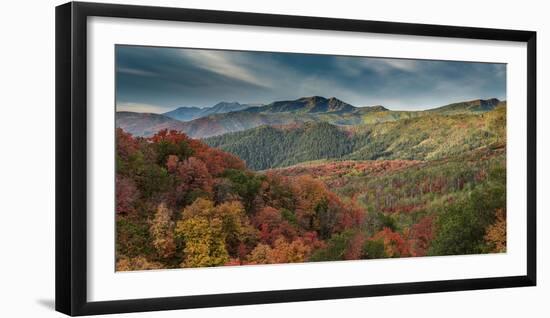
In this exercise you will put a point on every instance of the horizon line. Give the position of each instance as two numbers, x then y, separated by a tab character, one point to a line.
289	100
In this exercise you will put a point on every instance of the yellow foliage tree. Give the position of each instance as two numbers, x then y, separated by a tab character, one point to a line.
310	194
496	232
212	233
204	242
136	264
162	231
260	254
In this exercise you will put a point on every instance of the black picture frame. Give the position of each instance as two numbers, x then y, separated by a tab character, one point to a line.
71	157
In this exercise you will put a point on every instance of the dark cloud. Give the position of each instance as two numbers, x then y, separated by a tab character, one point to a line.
160	79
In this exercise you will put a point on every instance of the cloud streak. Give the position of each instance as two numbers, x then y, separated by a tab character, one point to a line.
228	65
133	71
139	108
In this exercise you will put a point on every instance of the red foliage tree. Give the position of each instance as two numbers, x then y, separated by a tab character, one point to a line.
171	136
193	175
218	161
215	160
272	225
126	193
420	236
355	247
126	145
172	163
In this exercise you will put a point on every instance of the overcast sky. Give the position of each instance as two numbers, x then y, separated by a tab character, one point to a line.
153	79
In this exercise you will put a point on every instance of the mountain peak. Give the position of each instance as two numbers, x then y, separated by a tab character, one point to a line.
480	101
185	107
377	108
225	107
313	98
334	100
224	103
310	104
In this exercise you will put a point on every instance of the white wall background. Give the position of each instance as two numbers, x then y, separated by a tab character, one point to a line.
27	158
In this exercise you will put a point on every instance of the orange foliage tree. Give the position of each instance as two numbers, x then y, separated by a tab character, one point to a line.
283	252
394	244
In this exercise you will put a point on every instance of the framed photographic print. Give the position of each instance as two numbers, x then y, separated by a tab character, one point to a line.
208	158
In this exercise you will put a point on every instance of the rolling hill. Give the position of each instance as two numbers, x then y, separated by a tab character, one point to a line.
477	105
418	138
190	113
220	124
184	113
146	124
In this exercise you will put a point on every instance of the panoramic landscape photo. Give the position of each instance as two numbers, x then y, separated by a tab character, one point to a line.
244	158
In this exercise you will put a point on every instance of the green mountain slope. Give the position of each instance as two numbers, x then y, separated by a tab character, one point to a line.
220	124
477	105
427	137
266	147
430	136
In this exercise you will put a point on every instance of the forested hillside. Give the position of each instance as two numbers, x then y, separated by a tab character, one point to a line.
425	137
268	147
181	203
478	105
451	203
312	179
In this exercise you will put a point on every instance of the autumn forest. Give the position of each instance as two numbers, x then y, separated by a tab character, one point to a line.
433	184
228	158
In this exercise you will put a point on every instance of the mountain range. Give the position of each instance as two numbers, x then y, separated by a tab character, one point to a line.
224	118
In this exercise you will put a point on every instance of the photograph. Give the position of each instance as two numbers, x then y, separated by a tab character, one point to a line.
275	159
245	158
